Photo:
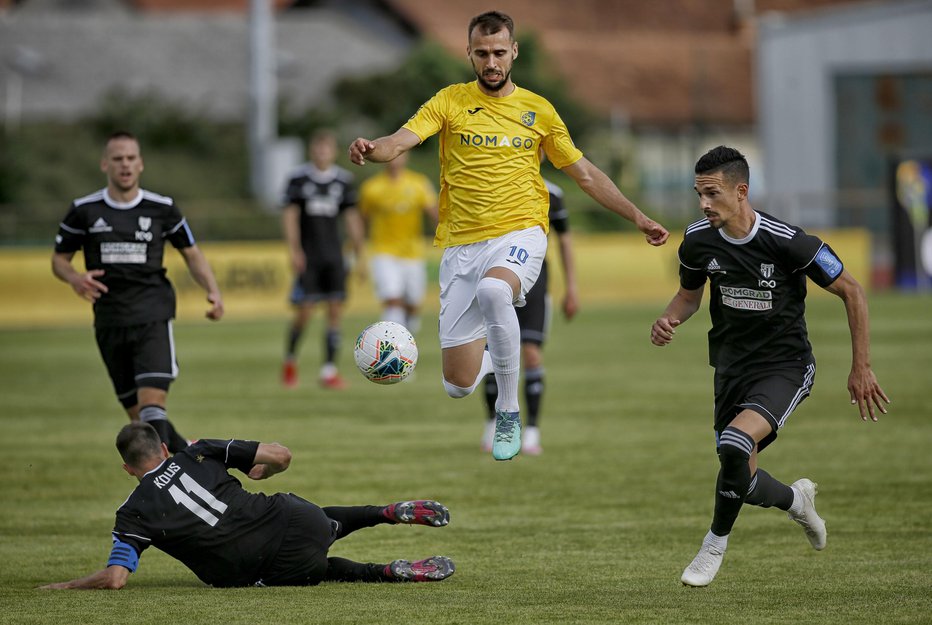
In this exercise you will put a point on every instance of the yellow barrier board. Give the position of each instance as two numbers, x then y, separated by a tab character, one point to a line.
612	269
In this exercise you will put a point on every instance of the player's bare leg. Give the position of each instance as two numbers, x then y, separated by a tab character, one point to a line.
464	366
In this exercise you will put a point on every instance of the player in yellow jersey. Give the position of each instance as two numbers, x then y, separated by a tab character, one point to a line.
393	203
493	211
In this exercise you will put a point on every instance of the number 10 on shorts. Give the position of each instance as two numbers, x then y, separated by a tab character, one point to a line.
518	252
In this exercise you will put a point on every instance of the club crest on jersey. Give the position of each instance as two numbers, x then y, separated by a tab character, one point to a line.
528	117
766	270
143	233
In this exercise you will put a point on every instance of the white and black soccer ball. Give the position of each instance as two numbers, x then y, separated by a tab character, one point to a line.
385	352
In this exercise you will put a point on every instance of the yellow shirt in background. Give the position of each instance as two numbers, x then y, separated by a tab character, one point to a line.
490	181
394	210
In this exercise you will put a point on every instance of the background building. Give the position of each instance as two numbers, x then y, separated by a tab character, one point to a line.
820	94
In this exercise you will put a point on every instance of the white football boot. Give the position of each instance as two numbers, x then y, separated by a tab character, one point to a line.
812	523
530	441
701	571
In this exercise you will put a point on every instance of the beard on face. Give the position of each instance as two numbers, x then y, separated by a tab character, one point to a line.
496	86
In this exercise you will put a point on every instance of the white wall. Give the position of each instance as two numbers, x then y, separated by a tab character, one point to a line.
796	61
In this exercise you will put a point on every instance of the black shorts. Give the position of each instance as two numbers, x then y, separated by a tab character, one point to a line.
534	316
320	281
773	393
302	557
136	356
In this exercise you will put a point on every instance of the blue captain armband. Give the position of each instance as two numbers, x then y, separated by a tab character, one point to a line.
124	555
829	262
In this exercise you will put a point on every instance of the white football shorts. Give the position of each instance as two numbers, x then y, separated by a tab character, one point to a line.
461	268
399	278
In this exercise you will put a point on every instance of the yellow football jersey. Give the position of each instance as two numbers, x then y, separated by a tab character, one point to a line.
490	181
394	209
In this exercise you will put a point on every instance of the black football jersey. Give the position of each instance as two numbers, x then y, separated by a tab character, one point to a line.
758	289
321	196
127	241
559	216
191	508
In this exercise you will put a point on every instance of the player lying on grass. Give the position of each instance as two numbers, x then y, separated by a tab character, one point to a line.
190	507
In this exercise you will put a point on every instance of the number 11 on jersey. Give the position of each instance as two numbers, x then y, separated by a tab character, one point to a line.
194	488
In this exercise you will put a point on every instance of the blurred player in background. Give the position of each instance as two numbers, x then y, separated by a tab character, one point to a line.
189	506
493	211
393	203
764	367
317	194
122	230
534	320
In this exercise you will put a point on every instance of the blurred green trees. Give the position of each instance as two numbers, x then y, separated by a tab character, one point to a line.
384	101
204	163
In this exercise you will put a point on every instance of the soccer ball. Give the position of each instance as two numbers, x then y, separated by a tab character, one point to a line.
385	352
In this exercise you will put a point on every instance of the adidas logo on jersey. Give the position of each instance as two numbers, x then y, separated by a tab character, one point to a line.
100	225
713	267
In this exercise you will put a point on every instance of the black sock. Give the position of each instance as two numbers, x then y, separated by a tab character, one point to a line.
155	416
343	570
765	491
331	345
294	337
352	518
533	392
491	394
734	479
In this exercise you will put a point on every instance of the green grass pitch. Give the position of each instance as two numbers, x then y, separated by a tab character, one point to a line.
596	530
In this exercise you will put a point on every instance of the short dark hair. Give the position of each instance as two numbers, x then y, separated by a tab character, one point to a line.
137	442
122	134
729	161
490	23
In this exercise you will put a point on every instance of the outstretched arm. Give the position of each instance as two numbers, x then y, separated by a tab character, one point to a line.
85	284
599	187
862	384
383	149
680	308
111	578
201	272
271	458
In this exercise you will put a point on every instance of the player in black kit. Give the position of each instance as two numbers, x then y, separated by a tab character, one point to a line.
122	230
757	266
534	320
190	507
317	194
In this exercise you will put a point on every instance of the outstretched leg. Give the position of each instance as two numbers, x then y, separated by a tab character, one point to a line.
433	569
415	512
352	518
